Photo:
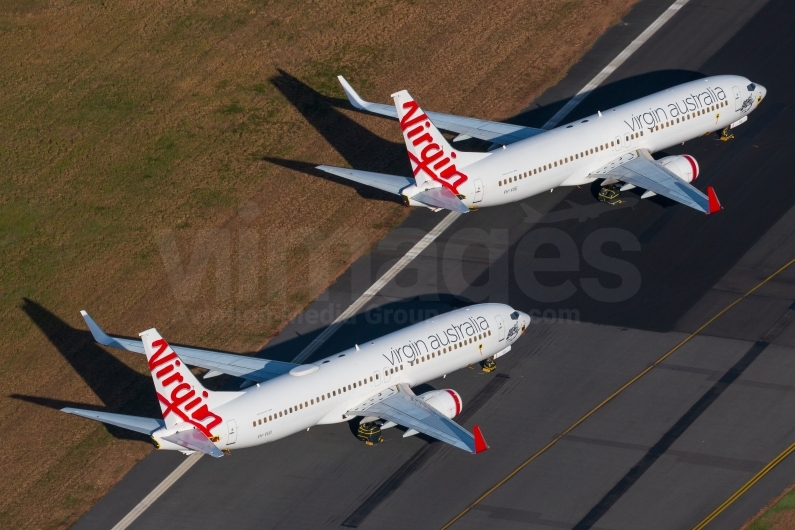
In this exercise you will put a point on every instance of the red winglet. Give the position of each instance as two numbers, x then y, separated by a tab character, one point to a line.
714	203
480	443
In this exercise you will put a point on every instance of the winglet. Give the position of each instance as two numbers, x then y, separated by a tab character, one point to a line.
480	443
99	335
353	96
714	203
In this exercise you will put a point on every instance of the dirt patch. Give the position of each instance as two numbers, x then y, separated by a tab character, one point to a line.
779	514
157	171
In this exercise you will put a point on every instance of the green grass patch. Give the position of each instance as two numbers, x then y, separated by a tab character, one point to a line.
767	520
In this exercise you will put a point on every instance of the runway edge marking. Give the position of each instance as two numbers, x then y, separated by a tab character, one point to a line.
639	41
368	295
616	393
157	492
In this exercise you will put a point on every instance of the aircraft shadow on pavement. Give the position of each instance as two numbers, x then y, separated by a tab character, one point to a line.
365	326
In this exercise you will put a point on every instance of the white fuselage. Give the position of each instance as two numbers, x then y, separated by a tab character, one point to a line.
569	154
322	392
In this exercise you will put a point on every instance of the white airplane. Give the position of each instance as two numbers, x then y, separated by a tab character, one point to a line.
371	380
614	145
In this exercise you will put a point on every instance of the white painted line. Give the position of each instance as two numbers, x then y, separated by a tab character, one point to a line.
415	251
157	492
368	295
615	63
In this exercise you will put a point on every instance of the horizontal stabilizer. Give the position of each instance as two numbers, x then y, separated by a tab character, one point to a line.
389	183
194	440
134	423
440	198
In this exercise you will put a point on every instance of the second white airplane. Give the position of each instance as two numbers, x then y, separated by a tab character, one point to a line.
614	145
372	381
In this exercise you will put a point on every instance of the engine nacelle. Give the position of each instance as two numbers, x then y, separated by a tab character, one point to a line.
683	166
446	401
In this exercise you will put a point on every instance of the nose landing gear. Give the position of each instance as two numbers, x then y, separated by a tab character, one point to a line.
370	433
488	365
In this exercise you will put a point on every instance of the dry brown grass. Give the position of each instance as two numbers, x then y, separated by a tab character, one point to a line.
122	119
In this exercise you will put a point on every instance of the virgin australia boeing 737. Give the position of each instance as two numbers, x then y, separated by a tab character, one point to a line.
372	381
614	145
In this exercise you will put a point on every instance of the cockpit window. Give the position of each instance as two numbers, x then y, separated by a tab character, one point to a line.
751	87
515	315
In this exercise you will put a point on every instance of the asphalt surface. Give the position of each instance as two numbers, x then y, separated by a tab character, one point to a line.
612	294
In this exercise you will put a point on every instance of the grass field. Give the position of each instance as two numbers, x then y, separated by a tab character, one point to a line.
779	514
154	159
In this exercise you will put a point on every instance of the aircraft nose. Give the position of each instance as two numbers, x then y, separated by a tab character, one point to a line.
524	318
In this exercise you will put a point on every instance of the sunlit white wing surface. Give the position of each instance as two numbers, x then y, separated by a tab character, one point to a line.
401	406
251	368
493	131
640	169
134	423
194	440
389	183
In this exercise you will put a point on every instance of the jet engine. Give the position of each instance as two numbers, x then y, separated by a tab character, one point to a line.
446	401
683	166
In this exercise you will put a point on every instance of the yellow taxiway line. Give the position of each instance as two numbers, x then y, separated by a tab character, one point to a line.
745	487
619	391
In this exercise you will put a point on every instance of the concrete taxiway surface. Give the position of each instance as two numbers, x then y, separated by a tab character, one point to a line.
666	450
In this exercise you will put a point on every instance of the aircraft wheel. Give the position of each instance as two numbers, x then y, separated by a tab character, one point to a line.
489	365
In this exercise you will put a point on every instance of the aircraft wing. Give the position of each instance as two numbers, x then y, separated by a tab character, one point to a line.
251	368
493	131
134	423
400	405
195	440
639	168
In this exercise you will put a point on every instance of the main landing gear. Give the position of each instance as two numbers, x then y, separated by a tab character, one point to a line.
725	135
488	365
370	433
609	194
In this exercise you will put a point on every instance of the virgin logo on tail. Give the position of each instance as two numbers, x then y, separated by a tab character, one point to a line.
443	169
183	400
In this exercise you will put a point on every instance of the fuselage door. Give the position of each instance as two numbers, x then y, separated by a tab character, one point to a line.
500	328
738	101
232	435
478	191
377	378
